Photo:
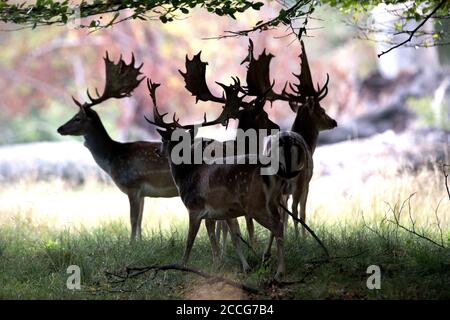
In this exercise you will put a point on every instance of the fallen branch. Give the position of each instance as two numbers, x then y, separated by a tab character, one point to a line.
132	272
413	231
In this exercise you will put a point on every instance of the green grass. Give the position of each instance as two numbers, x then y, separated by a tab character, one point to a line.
33	264
46	227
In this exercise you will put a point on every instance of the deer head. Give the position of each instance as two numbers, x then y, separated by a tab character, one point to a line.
121	80
306	100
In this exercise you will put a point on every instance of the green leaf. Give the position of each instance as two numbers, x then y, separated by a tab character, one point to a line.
257	5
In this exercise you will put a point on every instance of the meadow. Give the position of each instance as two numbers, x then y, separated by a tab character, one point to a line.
46	227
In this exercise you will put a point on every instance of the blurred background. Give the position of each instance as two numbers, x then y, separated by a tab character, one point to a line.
393	112
382	166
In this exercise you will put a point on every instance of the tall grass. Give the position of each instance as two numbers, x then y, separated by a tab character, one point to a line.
44	228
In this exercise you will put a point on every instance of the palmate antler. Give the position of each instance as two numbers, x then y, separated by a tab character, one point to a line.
230	110
120	80
259	83
258	73
195	79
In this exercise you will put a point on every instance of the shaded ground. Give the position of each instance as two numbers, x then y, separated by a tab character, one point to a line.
34	260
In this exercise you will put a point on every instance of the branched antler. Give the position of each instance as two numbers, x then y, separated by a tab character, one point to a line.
230	110
120	80
195	79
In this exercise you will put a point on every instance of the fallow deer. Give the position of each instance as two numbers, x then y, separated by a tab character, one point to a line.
222	191
136	167
310	119
250	116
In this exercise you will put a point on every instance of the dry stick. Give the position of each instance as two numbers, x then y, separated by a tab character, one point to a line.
438	222
413	231
307	228
422	236
411	33
136	271
446	178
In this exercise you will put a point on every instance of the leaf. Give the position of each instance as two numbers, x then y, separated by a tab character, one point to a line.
257	5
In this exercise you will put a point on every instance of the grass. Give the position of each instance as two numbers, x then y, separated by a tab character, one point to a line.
43	231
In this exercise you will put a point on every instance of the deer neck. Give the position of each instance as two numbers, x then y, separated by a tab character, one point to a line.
305	126
100	145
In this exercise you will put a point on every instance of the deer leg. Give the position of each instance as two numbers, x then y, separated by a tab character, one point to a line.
281	269
135	207
139	222
303	198
284	201
218	230
268	251
278	234
194	224
294	208
211	228
224	236
251	231
235	238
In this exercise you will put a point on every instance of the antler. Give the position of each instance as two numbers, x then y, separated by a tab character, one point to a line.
195	80
121	80
258	73
159	118
305	87
258	80
230	110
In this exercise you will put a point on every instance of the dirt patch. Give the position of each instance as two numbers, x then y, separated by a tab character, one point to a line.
202	290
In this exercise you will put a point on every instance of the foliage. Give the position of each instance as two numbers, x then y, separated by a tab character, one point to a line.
47	12
435	116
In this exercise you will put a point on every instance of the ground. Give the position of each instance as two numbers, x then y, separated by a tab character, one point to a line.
46	227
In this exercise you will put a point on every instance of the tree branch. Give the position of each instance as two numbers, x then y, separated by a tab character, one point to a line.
136	271
284	17
411	33
444	171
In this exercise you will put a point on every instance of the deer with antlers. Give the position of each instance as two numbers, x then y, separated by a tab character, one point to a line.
250	115
220	191
136	167
310	119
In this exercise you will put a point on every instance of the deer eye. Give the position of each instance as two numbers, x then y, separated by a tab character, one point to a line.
77	119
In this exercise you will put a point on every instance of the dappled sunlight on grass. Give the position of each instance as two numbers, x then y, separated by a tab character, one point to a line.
332	201
57	205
